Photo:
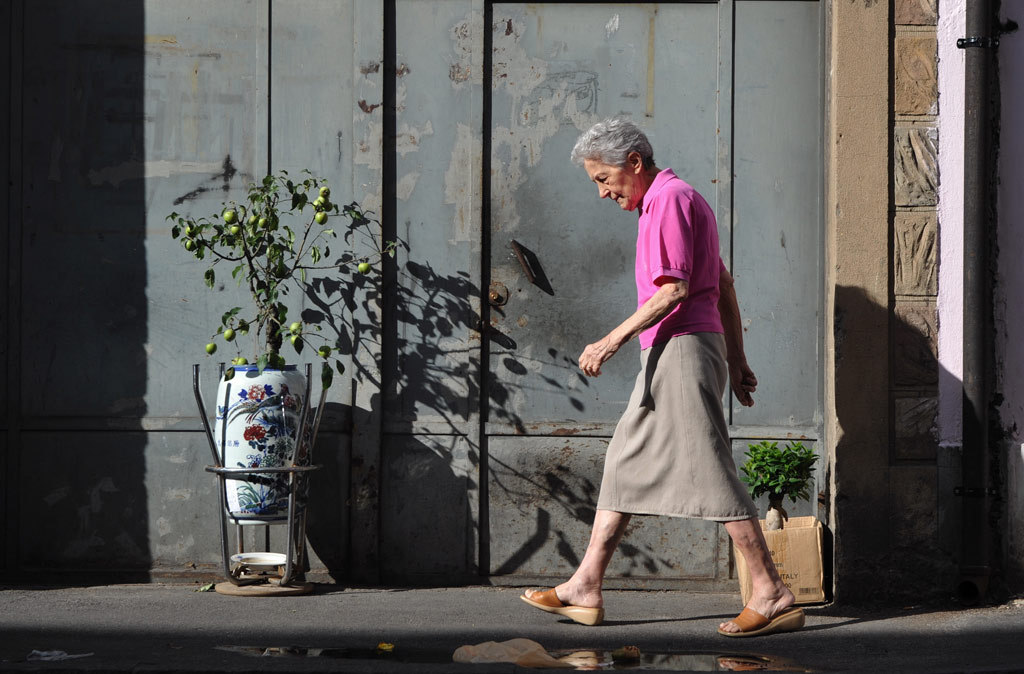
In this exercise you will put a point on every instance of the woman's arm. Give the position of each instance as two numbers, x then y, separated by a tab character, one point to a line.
740	375
671	291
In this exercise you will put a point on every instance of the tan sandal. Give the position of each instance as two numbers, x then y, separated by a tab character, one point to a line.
548	601
753	624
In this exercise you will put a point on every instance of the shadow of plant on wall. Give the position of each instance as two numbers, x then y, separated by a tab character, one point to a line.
425	324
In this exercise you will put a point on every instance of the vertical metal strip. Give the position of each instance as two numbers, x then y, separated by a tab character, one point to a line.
374	44
724	560
10	460
483	528
485	280
270	86
389	232
476	351
724	127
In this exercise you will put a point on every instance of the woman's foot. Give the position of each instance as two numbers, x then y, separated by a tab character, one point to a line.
551	602
768	605
579	594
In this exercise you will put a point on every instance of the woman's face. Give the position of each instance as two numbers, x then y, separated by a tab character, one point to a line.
623	185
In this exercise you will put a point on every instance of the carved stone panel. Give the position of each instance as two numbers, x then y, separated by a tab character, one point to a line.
915	344
916	167
916	86
915	428
916	12
915	253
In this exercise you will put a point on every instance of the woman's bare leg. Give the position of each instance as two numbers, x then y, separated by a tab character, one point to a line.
769	595
584	587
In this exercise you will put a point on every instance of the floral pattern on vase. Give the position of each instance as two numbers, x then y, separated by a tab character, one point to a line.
258	416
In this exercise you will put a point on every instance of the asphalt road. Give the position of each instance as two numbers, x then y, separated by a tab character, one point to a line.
173	628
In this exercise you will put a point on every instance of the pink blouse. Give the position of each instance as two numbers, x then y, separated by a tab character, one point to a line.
678	238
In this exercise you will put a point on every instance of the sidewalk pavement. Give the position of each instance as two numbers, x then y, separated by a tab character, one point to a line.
173	628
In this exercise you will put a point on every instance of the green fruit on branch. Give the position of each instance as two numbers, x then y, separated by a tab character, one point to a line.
270	244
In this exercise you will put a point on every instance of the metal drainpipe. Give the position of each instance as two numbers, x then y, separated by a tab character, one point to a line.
975	556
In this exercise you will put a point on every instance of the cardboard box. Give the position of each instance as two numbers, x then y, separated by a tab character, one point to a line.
796	551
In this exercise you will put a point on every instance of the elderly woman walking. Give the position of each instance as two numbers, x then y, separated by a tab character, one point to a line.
670	453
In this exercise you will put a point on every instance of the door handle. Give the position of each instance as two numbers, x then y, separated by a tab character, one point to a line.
497	294
523	262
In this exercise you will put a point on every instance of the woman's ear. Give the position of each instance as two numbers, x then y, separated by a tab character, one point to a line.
635	162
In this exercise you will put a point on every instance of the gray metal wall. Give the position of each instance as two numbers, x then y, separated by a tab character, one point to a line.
464	442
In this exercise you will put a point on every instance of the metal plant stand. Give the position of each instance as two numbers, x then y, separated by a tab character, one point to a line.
269	573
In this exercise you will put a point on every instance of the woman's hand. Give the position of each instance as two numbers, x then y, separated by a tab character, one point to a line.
743	382
596	354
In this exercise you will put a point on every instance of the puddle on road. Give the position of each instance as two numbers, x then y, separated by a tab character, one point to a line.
580	660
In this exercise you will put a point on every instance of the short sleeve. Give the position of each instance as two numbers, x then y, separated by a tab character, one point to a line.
669	239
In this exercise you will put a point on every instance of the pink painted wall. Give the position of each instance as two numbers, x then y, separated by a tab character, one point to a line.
952	24
1008	300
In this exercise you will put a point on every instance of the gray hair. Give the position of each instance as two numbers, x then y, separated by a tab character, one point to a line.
610	141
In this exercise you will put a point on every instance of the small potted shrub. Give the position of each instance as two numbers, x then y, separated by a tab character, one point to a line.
272	243
778	473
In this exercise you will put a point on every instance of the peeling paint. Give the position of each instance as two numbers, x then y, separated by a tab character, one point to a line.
467	65
612	26
163	526
179	458
86	538
368	108
458	180
407	138
174	550
543	98
406	184
368	150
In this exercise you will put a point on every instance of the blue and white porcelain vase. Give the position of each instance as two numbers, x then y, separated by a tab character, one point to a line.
258	417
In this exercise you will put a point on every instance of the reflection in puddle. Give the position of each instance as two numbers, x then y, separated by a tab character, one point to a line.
339	653
580	660
677	662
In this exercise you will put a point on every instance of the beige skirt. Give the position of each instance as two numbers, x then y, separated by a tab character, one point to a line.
670	454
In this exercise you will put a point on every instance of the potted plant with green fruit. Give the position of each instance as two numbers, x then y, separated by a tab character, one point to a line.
778	473
273	243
